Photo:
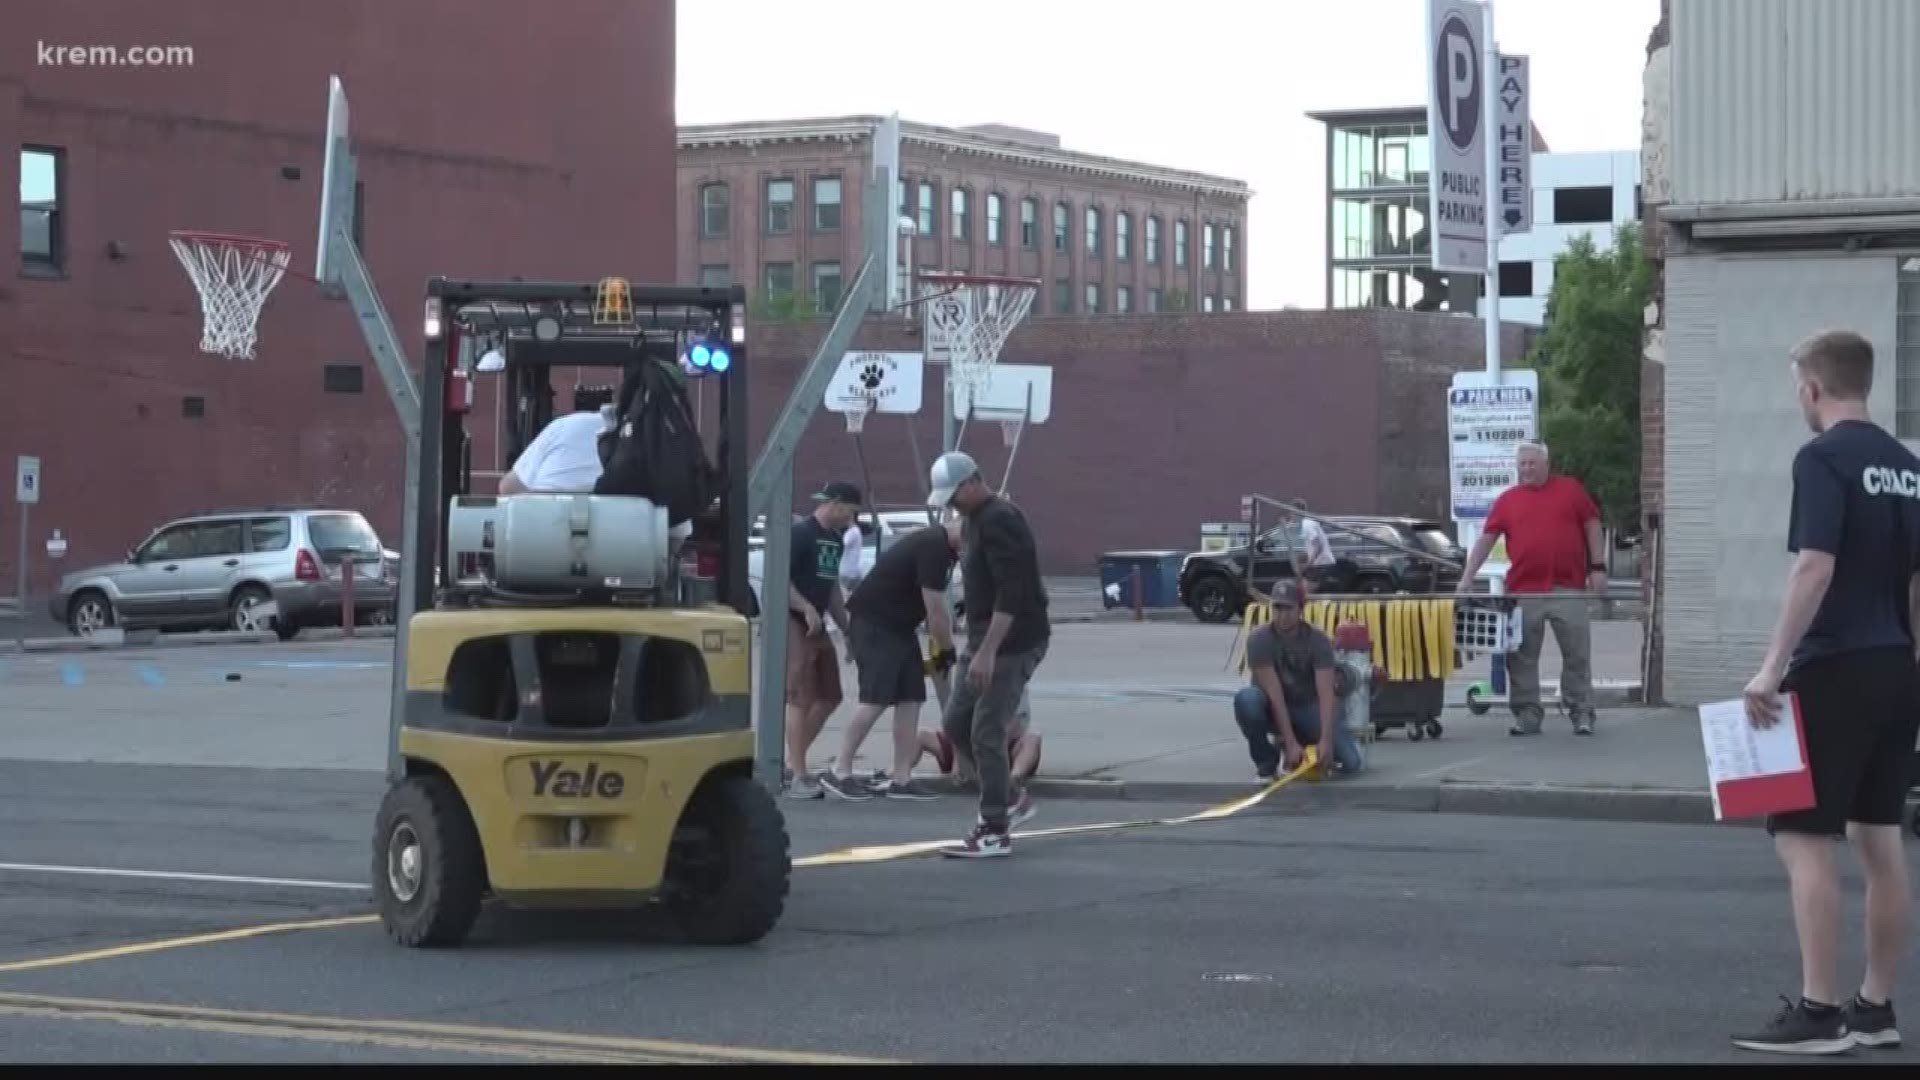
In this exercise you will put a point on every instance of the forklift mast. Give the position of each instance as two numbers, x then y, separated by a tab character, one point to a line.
538	326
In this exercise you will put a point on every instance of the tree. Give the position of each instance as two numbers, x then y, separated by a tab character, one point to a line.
1589	362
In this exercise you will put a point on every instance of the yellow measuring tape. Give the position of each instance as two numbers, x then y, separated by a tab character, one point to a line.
891	852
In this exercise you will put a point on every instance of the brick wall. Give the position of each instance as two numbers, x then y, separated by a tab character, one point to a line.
1162	422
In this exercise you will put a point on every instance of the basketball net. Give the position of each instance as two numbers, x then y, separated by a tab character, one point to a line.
857	414
234	275
976	326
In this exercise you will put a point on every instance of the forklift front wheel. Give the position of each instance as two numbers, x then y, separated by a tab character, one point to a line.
726	881
429	873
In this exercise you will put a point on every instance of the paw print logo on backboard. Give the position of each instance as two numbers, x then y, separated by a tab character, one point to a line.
872	376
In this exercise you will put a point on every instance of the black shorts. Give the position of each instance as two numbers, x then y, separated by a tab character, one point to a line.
889	662
1861	711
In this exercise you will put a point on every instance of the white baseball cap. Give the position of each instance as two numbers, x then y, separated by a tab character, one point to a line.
949	471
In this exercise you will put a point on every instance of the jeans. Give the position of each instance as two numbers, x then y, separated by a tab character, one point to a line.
1255	717
977	723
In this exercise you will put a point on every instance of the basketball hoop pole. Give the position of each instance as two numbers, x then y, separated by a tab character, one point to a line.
348	271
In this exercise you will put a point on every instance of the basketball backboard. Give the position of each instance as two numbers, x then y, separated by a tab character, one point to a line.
337	177
1009	392
891	380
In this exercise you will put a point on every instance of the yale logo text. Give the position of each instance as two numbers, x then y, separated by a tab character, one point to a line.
551	779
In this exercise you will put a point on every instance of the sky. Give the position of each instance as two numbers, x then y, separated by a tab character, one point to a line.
1223	87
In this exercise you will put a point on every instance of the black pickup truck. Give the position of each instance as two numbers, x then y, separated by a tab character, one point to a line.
1214	583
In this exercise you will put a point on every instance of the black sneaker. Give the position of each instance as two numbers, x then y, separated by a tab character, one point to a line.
1796	1029
908	789
850	788
1872	1025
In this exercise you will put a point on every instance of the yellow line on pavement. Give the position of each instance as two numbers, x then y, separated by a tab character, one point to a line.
188	941
410	1034
892	852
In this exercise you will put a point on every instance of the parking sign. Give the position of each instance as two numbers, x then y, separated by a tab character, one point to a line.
26	481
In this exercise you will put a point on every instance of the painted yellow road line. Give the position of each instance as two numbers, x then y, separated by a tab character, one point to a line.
892	852
413	1034
188	941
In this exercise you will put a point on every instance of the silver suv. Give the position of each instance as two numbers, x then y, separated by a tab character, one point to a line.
214	571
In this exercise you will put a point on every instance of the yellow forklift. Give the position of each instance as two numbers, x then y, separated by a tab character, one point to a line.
573	725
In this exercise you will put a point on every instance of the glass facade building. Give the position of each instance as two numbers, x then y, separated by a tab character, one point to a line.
1379	244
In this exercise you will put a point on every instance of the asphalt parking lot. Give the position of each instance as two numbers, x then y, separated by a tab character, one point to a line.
188	847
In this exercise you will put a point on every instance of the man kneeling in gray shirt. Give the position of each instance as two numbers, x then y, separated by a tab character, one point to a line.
1290	700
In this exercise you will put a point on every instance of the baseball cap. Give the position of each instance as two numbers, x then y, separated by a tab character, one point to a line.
949	471
1288	592
839	491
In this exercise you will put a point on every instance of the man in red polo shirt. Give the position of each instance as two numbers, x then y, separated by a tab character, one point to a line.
1554	547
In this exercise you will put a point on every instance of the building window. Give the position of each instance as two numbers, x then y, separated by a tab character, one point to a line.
1207	253
779	207
716	207
1093	299
1153	300
1516	279
996	230
1179	243
1123	236
900	189
925	219
1226	248
1029	223
1062	226
1906	350
716	276
1582	205
1122	299
1206	303
826	285
1153	241
1063	297
826	204
1226	303
1093	232
961	213
343	378
779	280
1386	155
42	224
1385	226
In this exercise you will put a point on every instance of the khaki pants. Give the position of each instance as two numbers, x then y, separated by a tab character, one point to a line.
1572	625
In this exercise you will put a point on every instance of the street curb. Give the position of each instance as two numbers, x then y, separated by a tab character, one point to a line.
153	639
1120	615
1567	802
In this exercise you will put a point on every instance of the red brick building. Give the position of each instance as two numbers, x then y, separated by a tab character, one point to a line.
1162	422
776	205
473	162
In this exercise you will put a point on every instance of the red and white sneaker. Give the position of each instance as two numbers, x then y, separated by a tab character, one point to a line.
982	843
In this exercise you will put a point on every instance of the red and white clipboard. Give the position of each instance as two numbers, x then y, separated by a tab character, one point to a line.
1753	772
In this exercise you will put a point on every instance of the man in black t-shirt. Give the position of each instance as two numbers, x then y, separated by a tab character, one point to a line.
907	586
1844	645
813	595
1007	636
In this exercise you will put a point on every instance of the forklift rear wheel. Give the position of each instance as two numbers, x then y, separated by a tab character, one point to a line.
727	873
429	873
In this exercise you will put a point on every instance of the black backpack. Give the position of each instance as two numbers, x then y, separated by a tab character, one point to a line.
655	452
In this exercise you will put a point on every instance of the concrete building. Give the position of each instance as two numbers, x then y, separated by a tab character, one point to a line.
496	171
1782	170
1378	253
776	205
